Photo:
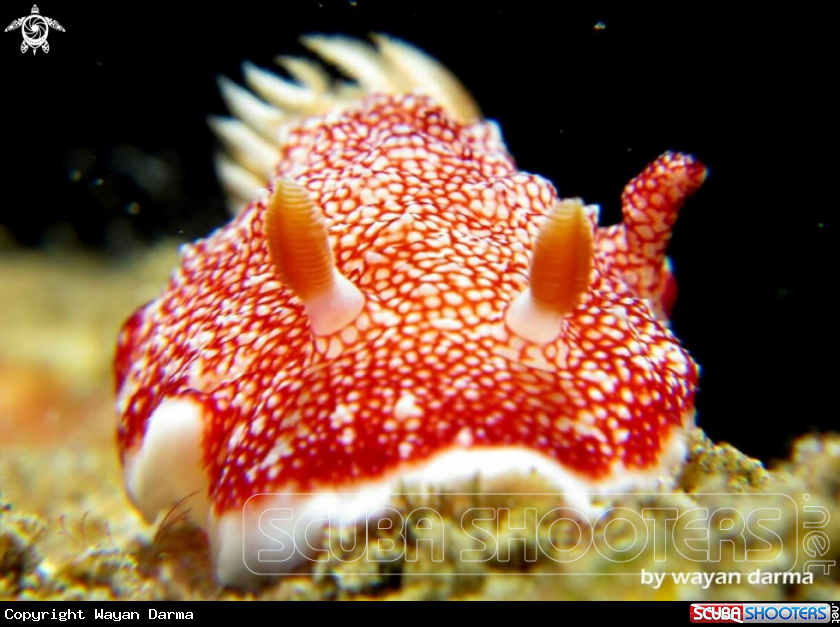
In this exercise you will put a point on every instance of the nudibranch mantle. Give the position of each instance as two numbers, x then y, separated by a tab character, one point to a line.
396	304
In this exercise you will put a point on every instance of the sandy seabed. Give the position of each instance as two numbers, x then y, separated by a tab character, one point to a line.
67	530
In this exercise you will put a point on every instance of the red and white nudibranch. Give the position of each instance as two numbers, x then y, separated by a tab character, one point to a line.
395	303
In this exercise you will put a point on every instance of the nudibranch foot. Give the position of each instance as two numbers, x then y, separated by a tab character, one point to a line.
167	467
395	306
283	533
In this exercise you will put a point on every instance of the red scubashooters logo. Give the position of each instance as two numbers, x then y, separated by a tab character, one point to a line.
797	613
717	613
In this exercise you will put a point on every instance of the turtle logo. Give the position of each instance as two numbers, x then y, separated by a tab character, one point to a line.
35	28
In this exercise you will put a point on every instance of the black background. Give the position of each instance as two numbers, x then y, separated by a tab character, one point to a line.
585	97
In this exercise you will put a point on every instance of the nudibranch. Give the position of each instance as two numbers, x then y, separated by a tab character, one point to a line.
395	304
